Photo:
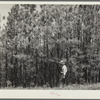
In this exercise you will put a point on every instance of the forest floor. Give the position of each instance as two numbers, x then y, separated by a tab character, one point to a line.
76	87
68	87
80	87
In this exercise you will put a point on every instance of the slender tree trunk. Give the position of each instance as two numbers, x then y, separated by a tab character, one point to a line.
6	69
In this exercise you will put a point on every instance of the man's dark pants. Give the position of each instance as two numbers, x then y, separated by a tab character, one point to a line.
61	80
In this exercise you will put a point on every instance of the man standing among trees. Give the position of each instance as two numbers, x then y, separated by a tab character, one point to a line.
63	72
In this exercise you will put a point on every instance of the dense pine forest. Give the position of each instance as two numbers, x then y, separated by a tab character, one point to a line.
37	37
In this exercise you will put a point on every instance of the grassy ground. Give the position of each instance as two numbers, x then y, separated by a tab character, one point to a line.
77	87
68	87
80	87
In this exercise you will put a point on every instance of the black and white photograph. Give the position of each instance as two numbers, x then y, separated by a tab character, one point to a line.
50	47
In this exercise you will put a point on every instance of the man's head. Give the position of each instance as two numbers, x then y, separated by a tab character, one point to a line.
62	62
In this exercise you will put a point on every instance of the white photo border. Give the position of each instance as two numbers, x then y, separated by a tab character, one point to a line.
50	94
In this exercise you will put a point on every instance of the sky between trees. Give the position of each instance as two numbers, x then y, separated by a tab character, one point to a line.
4	9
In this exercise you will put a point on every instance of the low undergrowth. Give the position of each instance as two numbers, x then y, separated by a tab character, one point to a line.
68	87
